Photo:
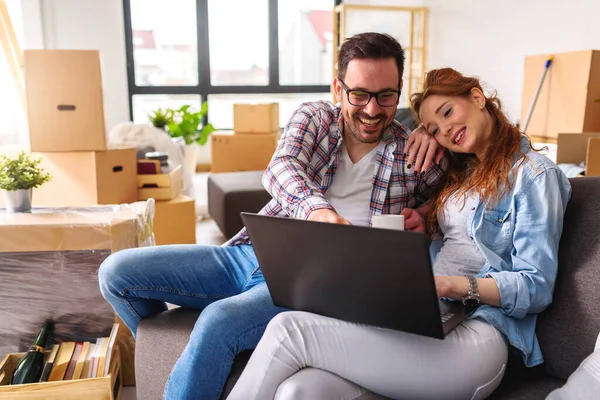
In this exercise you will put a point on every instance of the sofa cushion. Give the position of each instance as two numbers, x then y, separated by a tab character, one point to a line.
567	330
522	383
230	193
584	383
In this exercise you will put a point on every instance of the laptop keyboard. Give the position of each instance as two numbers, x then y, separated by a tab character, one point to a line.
446	316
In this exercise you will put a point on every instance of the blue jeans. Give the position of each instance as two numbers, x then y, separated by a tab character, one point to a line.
226	283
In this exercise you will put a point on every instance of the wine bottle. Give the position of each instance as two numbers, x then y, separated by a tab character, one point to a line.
29	369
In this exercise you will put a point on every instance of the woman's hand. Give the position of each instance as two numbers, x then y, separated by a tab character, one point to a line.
414	220
452	287
456	287
422	149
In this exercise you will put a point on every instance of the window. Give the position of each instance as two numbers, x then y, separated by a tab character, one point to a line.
188	51
164	43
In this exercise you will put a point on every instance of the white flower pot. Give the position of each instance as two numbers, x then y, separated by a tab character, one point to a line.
190	157
17	200
203	155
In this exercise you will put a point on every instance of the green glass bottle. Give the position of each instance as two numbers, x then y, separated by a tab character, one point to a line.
29	369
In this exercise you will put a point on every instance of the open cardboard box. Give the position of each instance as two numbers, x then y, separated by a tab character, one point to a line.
108	387
575	148
160	186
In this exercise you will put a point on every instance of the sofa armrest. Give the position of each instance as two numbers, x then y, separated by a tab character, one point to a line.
159	343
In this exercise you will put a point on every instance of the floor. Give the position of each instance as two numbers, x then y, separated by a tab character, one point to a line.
207	232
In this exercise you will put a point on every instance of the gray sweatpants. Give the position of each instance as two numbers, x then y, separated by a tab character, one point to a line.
308	356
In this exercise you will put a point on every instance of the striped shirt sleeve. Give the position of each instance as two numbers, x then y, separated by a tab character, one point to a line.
286	177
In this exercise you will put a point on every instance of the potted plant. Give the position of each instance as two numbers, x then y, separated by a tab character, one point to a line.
160	118
187	124
18	176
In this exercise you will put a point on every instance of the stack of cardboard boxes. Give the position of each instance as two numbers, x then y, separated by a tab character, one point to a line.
66	126
251	144
67	130
175	218
567	111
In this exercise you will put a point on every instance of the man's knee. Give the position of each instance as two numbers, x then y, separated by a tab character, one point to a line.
112	269
224	316
231	322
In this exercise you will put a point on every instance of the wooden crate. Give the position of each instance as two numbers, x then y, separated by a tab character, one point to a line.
106	388
160	186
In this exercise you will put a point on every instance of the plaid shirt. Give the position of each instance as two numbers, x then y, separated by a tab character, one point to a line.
306	159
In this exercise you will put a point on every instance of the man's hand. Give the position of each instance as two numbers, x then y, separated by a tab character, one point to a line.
413	220
327	215
422	149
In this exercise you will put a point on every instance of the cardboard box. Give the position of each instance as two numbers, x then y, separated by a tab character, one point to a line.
97	228
64	100
160	186
567	99
255	118
592	163
234	152
108	387
175	221
88	178
577	148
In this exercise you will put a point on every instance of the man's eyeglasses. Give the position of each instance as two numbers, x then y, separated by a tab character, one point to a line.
360	98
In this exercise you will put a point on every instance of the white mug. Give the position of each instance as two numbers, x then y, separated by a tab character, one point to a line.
388	221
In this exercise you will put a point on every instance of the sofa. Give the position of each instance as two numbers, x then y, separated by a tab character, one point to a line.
567	329
230	193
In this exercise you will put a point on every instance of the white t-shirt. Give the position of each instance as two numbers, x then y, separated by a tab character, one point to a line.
350	191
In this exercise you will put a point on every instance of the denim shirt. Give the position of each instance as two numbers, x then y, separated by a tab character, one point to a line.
519	237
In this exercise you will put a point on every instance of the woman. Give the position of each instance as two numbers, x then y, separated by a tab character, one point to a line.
498	218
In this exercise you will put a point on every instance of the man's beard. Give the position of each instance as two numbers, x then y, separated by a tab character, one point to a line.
354	128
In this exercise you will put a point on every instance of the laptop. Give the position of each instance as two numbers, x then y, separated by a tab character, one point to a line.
360	274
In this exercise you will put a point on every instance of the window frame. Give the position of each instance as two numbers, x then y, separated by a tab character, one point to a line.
204	88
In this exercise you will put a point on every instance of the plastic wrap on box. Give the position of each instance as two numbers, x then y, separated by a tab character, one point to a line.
49	262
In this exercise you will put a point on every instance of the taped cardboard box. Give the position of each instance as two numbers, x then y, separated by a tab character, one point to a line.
86	178
255	118
175	221
578	148
233	152
566	102
49	262
64	100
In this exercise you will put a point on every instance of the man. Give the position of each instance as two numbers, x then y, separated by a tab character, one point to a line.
333	164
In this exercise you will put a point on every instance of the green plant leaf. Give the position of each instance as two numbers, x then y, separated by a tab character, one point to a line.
204	134
22	172
187	124
160	118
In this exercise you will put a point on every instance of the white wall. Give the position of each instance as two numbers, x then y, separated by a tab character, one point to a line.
490	39
85	25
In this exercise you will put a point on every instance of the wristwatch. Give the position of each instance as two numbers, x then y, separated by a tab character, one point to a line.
472	297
